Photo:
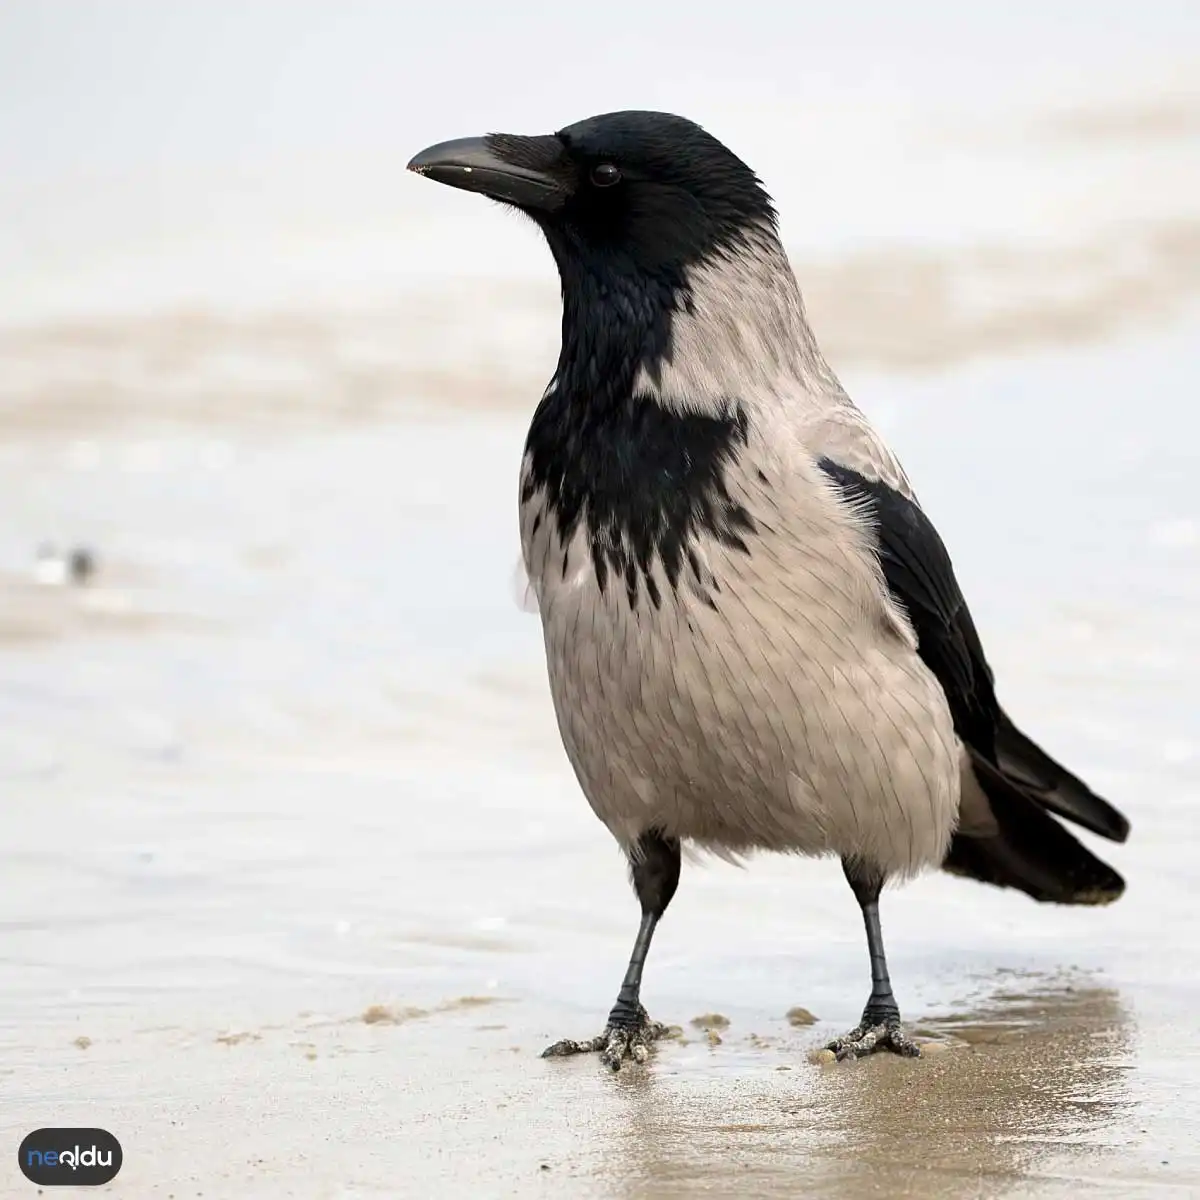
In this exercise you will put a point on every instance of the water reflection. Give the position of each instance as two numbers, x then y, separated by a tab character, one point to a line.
1032	1082
1038	1074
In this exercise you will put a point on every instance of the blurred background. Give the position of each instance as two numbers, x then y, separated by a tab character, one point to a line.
287	839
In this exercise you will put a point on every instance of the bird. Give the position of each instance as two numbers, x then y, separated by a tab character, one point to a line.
754	636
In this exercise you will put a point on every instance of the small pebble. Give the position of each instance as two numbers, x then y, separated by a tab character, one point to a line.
822	1058
711	1021
800	1016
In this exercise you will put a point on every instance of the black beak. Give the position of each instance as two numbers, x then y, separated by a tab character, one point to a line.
473	165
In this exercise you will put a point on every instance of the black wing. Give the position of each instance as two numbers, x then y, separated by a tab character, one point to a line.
921	578
1022	783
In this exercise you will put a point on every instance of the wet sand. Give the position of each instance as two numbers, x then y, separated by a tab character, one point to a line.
1041	1092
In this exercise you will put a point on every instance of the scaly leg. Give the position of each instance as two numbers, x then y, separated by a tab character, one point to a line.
879	1028
654	867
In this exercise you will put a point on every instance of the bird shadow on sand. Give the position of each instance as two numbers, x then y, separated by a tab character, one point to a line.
1032	1085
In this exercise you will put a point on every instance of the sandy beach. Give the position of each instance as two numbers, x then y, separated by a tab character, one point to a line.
297	880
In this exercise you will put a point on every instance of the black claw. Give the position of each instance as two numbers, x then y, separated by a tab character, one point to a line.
871	1037
617	1044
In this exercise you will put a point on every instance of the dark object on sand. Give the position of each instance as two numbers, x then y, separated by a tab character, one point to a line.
56	568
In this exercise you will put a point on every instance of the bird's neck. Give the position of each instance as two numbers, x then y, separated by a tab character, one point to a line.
728	331
614	325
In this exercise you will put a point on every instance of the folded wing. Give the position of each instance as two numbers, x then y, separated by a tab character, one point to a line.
1022	846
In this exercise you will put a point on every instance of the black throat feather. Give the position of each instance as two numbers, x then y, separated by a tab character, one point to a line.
645	482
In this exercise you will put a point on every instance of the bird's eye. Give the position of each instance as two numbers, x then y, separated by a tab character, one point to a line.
605	175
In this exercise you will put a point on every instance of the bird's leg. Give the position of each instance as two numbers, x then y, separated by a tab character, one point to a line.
879	1028
654	866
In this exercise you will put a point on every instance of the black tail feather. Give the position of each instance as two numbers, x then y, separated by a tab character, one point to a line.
1055	787
1008	836
1030	851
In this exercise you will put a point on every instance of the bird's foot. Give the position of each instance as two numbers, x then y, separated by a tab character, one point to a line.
627	1037
879	1029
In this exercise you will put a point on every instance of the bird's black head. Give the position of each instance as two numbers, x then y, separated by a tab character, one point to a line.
643	192
676	298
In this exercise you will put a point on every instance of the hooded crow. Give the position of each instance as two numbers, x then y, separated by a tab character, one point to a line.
754	635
